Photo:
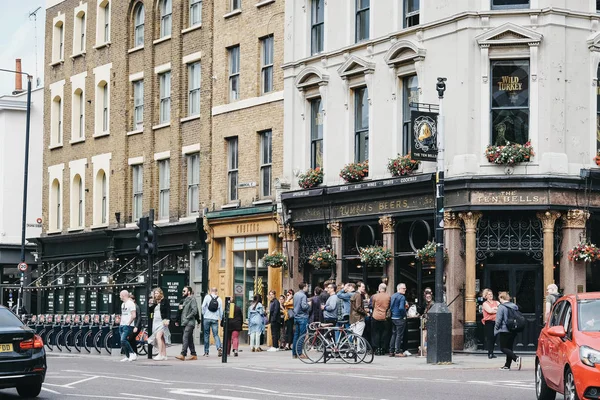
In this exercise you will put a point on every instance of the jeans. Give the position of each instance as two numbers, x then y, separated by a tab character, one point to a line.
300	329
125	331
275	332
188	339
211	324
398	326
289	331
507	340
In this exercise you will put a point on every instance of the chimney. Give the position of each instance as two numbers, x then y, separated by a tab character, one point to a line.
18	77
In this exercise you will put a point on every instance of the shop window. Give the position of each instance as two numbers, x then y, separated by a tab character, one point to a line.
361	125
510	101
317	31
195	12
232	166
410	96
504	4
266	159
316	133
267	64
362	19
193	173
138	190
165	97
250	274
412	9
138	104
166	12
164	188
234	73
138	25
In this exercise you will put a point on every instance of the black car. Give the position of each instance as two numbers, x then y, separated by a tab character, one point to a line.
22	356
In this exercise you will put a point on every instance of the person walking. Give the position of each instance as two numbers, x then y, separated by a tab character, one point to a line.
160	314
301	307
288	306
427	304
507	338
234	327
189	312
490	308
274	320
137	325
398	314
256	322
212	311
380	303
128	315
553	295
357	310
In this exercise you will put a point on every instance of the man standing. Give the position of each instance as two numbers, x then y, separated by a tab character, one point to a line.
189	311
398	311
300	319
274	319
212	310
128	316
345	294
357	310
330	307
380	305
553	295
136	323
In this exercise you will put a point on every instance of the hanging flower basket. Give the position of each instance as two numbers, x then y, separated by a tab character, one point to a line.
375	256
597	158
426	255
510	154
355	172
311	178
322	258
586	252
402	165
275	260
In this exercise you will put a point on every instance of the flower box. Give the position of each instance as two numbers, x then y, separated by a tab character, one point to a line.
311	178
375	256
355	172
597	159
586	252
426	255
275	260
510	154
402	165
322	258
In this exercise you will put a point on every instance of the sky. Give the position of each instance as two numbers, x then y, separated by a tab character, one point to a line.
18	40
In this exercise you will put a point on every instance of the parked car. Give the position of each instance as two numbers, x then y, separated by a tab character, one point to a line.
568	353
22	356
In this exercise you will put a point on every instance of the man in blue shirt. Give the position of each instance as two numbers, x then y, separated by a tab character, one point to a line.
398	311
300	319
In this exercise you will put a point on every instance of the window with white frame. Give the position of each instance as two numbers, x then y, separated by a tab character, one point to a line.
104	21
138	190
363	19
235	4
361	125
266	160
317	31
58	41
138	25
104	95
267	64
164	188
193	183
412	9
195	12
316	133
504	4
194	88
232	168
165	97
410	96
597	5
78	115
509	101
79	33
250	274
57	125
166	12
55	223
138	104
234	73
103	199
77	204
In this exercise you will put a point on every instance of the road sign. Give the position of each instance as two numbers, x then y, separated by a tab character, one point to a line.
22	267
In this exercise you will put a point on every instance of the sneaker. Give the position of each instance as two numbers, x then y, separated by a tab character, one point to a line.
191	358
180	357
164	358
519	363
235	353
132	357
125	359
505	368
400	355
407	353
157	358
220	352
205	354
272	349
392	354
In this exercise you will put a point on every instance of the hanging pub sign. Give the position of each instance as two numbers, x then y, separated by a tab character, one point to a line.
423	143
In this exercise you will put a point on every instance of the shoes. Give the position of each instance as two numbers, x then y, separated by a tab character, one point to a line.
235	353
519	363
505	368
220	352
253	350
205	354
157	358
132	357
180	357
490	356
272	349
125	359
259	349
191	358
392	354
302	356
294	357
400	355
407	353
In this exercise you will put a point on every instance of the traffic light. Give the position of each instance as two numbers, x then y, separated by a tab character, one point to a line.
144	237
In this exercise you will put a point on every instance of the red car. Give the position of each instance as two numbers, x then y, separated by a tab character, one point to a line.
568	354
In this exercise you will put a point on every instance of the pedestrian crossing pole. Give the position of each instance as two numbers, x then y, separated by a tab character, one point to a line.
225	319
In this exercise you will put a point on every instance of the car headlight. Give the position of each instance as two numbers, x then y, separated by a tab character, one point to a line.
589	356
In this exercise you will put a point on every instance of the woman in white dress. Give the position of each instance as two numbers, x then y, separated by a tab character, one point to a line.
160	314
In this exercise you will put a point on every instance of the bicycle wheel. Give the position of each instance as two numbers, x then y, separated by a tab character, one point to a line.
87	341
97	343
314	348
48	340
57	340
77	341
370	355
352	349
68	339
300	347
108	342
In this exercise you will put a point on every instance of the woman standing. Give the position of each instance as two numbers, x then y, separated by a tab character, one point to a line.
427	304
288	305
507	338
256	322
234	327
283	312
490	308
160	314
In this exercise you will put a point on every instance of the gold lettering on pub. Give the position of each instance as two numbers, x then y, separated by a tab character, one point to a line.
510	84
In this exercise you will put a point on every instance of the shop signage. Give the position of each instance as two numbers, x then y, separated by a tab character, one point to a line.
509	197
50	303
423	143
172	285
247	228
93	302
70	301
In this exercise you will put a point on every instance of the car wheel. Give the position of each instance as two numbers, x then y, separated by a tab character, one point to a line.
30	390
542	391
570	391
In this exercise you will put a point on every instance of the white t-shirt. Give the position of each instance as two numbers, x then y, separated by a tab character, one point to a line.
126	309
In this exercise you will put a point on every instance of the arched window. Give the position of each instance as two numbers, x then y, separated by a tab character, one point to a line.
166	10
57	121
77	203
138	16
55	206
78	127
102	108
79	33
101	198
104	202
103	22
58	39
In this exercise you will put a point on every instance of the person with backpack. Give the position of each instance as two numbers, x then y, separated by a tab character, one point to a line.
189	312
553	295
212	310
509	321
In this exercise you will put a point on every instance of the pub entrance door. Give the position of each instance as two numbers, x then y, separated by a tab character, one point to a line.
525	285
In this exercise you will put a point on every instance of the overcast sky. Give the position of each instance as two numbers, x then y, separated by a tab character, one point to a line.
18	40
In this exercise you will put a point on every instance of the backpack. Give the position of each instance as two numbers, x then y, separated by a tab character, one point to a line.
213	306
515	321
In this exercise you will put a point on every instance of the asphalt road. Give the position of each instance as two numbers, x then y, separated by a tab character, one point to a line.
254	376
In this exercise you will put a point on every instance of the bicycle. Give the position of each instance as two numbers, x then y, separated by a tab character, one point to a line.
65	326
109	344
319	342
50	338
72	333
78	339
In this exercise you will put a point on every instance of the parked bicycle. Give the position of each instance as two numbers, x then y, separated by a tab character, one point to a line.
325	342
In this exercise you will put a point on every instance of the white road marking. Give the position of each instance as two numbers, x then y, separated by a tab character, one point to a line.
140	396
198	393
120	378
99	397
145	377
50	390
81	381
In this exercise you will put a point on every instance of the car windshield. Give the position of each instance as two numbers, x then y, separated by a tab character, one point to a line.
589	315
8	319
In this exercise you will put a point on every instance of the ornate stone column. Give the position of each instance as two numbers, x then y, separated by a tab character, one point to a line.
572	274
291	249
389	243
336	244
470	219
455	276
548	219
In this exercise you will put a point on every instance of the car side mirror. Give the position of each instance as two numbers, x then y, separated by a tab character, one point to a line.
557	331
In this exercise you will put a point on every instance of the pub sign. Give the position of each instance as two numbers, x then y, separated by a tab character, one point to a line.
423	142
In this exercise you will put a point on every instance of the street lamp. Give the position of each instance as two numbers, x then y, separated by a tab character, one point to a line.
25	178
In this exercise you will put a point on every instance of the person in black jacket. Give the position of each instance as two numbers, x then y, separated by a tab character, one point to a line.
234	327
274	319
